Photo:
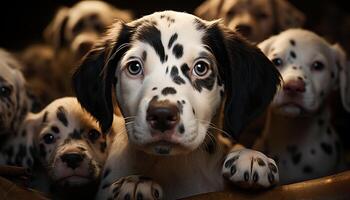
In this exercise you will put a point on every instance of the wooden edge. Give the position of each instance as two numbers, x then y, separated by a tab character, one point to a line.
333	187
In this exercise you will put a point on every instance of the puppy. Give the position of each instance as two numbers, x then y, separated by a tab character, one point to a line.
14	101
254	19
179	90
67	148
77	28
298	130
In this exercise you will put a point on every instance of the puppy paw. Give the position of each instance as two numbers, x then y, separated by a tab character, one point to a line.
136	187
250	169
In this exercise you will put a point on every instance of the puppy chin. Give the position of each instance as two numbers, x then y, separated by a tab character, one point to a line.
289	110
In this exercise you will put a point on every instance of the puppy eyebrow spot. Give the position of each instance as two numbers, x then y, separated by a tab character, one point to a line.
173	38
61	115
168	90
292	42
178	50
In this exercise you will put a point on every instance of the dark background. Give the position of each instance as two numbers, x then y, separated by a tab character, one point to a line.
22	22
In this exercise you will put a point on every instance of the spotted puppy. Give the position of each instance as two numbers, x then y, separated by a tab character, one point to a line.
77	28
254	19
178	90
299	130
14	101
68	148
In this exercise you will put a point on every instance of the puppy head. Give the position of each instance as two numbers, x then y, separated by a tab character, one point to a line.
254	19
14	102
170	81
69	142
310	67
78	27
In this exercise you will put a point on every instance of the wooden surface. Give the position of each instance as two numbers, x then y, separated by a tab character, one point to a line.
336	187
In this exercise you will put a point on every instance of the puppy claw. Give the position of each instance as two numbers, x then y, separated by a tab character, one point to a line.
250	169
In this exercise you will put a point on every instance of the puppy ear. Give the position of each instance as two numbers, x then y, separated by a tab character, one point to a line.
344	74
265	45
250	79
209	10
286	15
123	15
54	32
95	77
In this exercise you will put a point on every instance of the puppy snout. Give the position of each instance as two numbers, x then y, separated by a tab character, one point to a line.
73	160
294	86
162	116
244	29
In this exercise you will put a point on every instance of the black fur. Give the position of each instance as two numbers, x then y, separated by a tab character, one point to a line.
249	77
172	39
174	73
178	50
61	115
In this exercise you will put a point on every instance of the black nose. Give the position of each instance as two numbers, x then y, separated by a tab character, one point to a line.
162	115
73	160
244	29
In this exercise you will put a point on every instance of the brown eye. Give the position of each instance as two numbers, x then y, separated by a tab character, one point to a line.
201	68
49	138
93	135
134	68
5	91
317	66
277	62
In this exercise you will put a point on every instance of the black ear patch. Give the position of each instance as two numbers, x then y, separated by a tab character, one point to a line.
249	77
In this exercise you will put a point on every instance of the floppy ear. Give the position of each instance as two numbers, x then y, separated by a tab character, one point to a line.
265	46
286	15
250	79
54	32
95	77
344	75
209	10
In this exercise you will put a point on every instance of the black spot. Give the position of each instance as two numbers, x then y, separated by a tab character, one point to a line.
260	162
75	135
185	71
294	67
178	50
55	129
172	40
183	101
327	148
151	35
292	53
174	73
194	112
61	115
300	78
229	162
144	55
272	167
103	146
255	177
292	42
168	90
166	57
154	88
181	129
246	176
106	173
307	169
45	117
167	70
207	83
42	150
180	107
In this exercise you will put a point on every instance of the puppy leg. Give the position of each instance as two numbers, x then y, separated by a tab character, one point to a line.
250	169
135	187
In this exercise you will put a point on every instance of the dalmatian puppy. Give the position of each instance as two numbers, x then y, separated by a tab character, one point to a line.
77	28
179	89
14	101
298	130
68	146
254	19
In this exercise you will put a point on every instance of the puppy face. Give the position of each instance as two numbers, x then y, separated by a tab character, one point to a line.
14	103
78	27
70	144
310	68
254	19
170	81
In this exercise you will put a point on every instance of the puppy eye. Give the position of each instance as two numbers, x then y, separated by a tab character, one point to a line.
261	15
277	62
78	27
49	138
94	134
5	91
134	68
317	66
201	68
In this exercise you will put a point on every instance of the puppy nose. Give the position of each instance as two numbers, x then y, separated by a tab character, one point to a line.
162	117
244	29
294	86
73	160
